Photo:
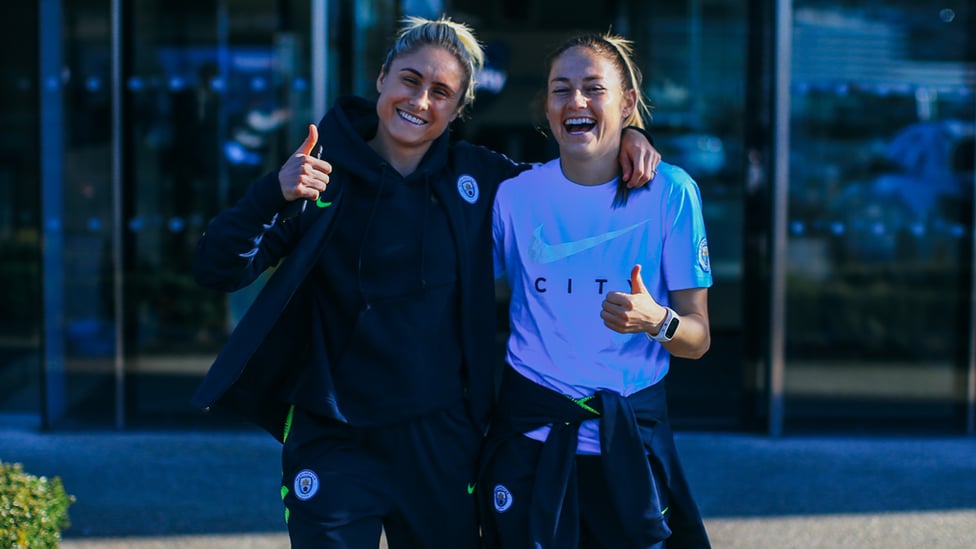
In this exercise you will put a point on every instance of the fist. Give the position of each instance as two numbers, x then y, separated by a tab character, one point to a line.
304	175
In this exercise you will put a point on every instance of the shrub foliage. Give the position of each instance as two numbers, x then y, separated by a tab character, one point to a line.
33	510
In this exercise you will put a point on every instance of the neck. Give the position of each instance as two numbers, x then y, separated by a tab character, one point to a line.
402	159
590	170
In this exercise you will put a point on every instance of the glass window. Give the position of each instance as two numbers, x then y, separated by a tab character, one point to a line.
695	66
214	94
880	204
84	268
20	238
217	95
692	55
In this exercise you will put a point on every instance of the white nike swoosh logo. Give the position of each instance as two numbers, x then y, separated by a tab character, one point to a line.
542	252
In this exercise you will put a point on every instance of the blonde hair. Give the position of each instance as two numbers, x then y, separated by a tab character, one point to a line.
457	38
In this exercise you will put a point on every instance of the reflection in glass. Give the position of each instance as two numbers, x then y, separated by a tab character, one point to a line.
215	94
20	239
692	56
880	206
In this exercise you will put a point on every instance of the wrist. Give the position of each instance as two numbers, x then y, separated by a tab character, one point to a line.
642	131
667	328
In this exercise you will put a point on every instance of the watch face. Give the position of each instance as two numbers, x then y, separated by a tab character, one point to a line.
672	327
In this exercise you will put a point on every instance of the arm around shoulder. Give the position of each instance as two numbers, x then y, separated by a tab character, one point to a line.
498	165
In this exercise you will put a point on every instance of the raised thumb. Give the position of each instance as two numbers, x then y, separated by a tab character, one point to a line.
309	144
636	282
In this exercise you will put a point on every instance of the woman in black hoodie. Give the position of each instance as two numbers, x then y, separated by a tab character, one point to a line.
370	351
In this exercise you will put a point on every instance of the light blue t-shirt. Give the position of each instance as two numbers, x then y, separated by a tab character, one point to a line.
561	248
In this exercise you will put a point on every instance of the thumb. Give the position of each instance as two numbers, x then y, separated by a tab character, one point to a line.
309	144
636	282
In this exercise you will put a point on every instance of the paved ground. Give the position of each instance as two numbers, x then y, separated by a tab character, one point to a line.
215	490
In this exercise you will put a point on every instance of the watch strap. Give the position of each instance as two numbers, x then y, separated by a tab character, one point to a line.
668	327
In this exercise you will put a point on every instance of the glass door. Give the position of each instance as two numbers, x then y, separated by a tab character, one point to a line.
21	323
879	266
76	206
218	93
693	57
695	75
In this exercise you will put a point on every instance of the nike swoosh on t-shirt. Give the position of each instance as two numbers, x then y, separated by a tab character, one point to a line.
543	252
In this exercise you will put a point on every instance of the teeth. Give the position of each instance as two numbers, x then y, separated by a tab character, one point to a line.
411	118
577	121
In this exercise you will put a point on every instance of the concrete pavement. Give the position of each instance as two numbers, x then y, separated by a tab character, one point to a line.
195	490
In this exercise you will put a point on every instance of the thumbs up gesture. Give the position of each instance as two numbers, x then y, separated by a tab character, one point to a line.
634	312
304	175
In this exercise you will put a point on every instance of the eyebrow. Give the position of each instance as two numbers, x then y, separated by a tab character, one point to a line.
566	80
420	75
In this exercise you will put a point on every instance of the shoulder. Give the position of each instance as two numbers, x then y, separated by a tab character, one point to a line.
532	178
675	191
493	164
464	149
675	176
671	189
673	182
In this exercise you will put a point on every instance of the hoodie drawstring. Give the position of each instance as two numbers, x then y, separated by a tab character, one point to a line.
428	197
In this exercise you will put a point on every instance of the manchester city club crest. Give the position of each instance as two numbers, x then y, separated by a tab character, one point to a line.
503	498
468	188
703	261
306	484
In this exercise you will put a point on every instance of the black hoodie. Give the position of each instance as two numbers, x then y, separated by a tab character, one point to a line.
347	325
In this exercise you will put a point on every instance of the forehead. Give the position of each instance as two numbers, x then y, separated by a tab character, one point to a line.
431	62
581	62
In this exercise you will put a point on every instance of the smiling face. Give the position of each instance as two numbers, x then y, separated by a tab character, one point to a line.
420	95
586	104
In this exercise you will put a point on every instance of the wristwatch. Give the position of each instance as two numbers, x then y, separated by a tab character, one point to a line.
668	327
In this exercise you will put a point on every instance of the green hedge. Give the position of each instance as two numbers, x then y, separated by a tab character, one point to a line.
33	510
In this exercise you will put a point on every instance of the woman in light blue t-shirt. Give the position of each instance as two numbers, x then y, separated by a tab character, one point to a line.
607	283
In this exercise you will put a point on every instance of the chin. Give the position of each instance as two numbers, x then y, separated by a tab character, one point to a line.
577	145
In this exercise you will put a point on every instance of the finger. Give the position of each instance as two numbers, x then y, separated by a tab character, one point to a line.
309	144
655	160
314	169
648	168
612	322
636	282
627	164
648	176
641	173
616	302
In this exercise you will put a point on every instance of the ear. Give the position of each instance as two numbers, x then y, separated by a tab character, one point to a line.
379	80
629	103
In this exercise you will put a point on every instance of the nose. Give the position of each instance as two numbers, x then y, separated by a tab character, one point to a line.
578	100
421	99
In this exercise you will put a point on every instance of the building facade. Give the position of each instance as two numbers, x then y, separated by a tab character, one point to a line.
832	140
